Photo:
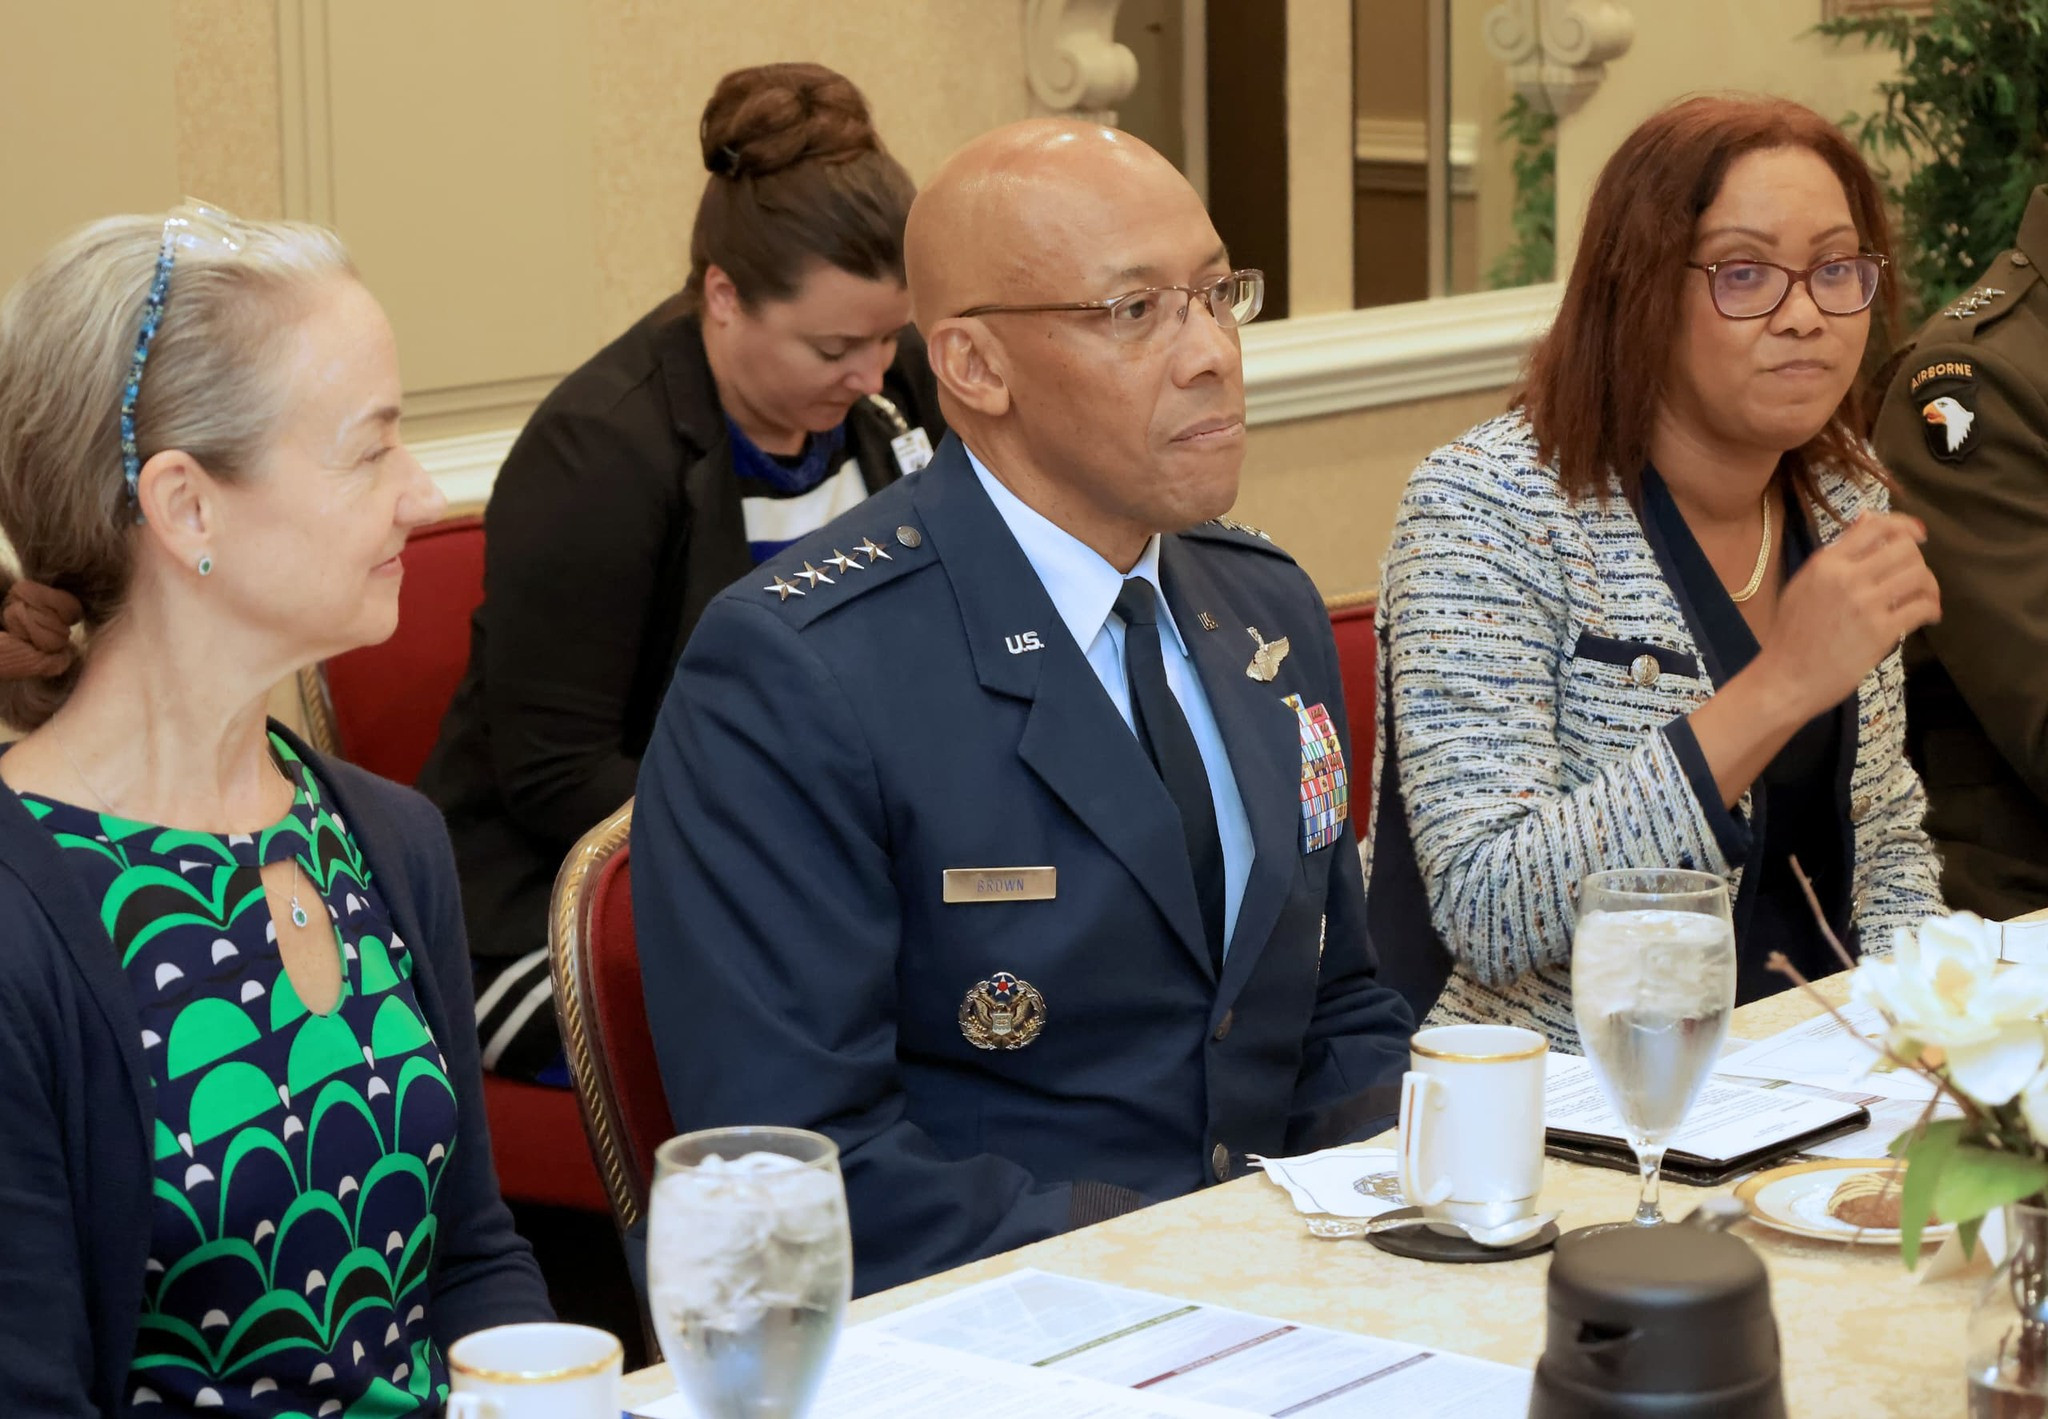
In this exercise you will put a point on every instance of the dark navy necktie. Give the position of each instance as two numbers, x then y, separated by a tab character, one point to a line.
1163	730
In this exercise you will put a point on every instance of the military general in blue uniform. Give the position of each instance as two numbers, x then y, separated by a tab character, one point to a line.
1002	830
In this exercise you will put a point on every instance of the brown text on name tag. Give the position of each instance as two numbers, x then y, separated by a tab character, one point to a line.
1001	884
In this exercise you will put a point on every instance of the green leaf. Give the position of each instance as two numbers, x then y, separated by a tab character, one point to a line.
1927	1152
1979	1180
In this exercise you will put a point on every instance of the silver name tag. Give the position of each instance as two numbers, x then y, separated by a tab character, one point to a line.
1001	884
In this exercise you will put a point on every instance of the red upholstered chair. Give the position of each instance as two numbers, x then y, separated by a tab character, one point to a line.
594	956
381	707
1358	660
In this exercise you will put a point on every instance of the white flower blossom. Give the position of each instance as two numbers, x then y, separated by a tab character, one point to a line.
1942	987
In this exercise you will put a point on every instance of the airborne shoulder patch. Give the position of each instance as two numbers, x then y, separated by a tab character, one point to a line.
1945	394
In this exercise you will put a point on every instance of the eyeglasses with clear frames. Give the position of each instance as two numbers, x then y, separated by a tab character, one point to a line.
1750	290
1232	300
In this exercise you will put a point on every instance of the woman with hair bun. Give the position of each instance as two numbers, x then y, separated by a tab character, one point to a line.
780	387
244	1164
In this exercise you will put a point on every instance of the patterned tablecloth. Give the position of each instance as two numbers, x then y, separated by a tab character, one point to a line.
1860	1336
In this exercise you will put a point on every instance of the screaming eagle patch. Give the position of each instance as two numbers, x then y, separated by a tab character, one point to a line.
1945	393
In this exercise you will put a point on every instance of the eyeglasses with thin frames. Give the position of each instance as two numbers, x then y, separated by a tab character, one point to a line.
1232	300
1750	290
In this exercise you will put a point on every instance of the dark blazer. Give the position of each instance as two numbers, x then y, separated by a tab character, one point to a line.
614	521
1977	681
824	758
77	1112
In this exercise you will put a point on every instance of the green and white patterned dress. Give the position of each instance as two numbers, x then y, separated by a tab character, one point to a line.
297	1155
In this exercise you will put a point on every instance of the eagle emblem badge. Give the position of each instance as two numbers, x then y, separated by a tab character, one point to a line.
1002	1012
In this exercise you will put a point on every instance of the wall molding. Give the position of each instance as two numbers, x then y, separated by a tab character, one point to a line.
1072	60
466	465
1316	365
1306	368
1557	51
1392	155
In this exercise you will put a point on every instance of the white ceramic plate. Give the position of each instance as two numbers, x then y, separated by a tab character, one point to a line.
1794	1199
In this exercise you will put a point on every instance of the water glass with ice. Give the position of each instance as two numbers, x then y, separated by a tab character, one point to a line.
1653	983
749	1267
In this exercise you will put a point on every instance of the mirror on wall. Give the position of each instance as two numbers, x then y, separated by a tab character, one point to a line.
1455	174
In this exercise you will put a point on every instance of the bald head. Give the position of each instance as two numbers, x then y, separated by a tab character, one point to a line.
1114	427
1033	211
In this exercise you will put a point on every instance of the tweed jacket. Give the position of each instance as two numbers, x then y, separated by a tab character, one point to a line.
1533	739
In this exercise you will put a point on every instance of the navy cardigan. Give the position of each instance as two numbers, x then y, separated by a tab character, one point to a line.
77	1112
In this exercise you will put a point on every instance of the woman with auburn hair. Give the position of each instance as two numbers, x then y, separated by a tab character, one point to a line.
775	391
1650	617
244	1161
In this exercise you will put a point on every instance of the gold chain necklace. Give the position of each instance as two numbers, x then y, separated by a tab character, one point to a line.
1763	559
299	914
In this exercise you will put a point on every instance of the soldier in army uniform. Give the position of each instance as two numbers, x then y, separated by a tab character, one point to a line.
1964	429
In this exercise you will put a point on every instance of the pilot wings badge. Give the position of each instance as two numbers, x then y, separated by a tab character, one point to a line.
1002	1012
1266	659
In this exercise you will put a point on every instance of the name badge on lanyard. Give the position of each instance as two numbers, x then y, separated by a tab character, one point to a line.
913	450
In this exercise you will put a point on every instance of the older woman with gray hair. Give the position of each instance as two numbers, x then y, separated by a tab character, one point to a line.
243	1153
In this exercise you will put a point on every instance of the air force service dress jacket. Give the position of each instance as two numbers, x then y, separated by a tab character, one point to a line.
902	873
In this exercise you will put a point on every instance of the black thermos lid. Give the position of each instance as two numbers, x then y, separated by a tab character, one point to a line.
1668	1321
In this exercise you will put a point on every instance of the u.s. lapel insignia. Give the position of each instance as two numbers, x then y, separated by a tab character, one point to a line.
1002	1012
1266	659
783	589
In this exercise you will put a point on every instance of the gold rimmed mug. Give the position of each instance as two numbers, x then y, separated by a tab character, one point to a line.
1472	1124
540	1370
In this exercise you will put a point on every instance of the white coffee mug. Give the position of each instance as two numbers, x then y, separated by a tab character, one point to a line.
1472	1123
541	1370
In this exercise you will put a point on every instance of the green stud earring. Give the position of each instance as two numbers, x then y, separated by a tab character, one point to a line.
205	564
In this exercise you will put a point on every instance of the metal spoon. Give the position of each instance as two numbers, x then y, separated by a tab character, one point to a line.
1337	1229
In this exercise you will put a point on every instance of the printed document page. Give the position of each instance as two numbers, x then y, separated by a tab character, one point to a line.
1829	1052
1251	1365
1730	1119
878	1376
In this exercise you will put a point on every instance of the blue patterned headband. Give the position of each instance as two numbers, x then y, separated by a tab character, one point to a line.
191	224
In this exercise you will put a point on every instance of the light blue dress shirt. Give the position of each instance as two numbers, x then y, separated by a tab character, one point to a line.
1084	588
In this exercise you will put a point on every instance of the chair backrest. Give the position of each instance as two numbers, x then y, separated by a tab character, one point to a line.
382	704
1358	661
594	957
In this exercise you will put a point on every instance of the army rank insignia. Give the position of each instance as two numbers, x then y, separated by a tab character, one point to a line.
1325	783
1945	393
1002	1012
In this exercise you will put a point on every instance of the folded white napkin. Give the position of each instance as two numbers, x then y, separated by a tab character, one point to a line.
1343	1182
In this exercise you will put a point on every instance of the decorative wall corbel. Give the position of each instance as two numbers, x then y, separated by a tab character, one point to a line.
1557	51
1072	59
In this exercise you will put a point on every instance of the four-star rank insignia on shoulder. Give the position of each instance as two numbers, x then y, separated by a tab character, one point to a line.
1945	394
1002	1012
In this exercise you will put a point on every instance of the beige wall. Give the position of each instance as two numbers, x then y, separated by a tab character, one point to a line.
515	177
1319	149
1684	47
1326	489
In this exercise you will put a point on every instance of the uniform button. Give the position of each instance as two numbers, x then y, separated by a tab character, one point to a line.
1223	1026
1644	670
1219	1163
1859	810
909	536
2019	258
